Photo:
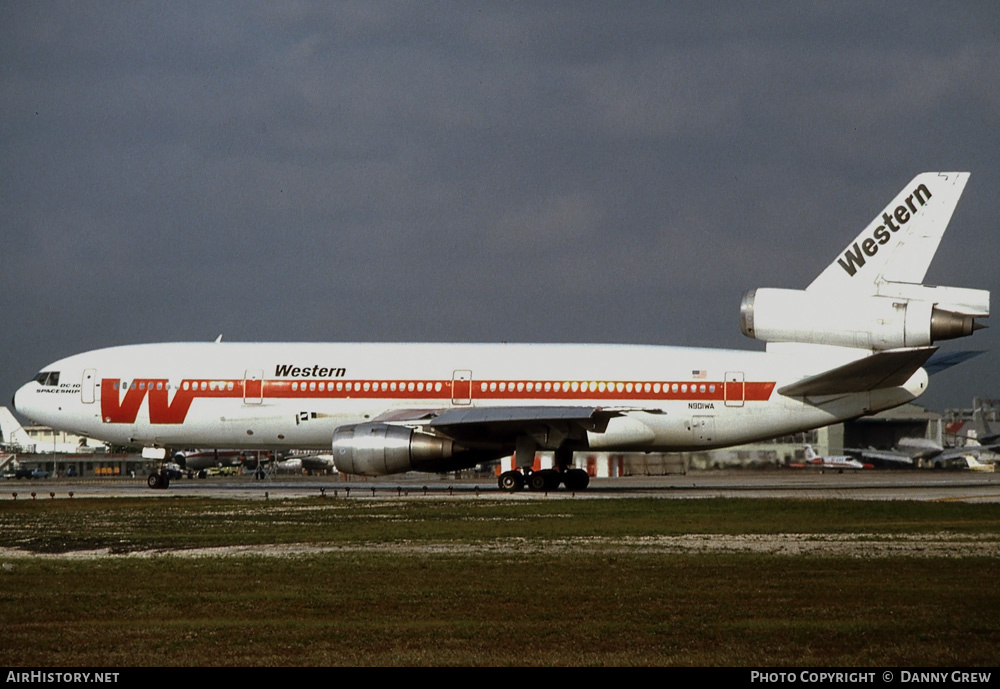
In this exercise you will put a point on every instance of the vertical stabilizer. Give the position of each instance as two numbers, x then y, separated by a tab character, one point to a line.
984	433
12	432
899	244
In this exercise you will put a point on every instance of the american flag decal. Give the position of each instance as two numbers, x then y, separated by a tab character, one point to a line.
700	373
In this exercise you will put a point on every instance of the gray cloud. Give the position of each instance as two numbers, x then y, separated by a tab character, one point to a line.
466	171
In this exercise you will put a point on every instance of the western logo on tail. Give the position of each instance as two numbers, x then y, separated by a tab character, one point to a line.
899	244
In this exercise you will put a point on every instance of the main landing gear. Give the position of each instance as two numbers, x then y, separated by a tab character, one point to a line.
158	480
544	480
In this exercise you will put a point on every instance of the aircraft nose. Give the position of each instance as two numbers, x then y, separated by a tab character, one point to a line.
19	399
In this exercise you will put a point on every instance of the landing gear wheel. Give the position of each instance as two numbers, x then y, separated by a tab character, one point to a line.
158	480
552	479
547	479
576	479
511	481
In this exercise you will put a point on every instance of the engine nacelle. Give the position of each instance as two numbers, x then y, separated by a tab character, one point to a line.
378	449
873	322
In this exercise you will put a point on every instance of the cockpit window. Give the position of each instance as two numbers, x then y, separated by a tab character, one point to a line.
50	378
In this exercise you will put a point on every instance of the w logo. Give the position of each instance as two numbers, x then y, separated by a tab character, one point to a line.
162	410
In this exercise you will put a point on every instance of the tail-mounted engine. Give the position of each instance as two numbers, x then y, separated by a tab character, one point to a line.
901	315
378	449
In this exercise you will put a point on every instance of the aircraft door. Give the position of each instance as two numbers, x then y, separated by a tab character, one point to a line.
89	383
461	387
253	386
735	390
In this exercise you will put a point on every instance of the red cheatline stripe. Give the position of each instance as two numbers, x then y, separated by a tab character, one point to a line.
486	390
120	402
480	390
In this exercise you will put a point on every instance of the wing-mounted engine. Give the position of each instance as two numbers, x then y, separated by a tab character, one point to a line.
379	449
899	315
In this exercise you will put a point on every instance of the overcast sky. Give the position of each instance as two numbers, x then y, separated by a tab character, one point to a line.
461	171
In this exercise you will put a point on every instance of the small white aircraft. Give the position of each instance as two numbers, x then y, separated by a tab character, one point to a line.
852	343
974	463
832	461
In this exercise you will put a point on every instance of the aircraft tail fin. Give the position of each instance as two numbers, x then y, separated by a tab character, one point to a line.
12	431
899	244
985	434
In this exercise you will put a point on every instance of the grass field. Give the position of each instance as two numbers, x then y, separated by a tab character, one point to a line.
180	581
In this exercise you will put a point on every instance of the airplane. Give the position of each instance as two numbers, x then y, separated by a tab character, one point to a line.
908	452
852	343
832	461
976	465
13	434
983	433
322	462
201	460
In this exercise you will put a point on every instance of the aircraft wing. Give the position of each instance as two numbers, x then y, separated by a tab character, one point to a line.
901	458
887	369
549	425
956	452
872	455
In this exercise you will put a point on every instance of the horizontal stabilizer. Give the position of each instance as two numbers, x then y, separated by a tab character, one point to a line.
887	369
944	360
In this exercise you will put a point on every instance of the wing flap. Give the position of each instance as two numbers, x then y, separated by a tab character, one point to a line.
549	425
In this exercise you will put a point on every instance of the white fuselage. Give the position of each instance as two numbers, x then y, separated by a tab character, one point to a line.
293	396
852	343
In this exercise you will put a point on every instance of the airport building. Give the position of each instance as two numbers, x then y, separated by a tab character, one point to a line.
66	454
46	440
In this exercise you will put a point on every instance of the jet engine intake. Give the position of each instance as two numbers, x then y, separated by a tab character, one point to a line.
379	449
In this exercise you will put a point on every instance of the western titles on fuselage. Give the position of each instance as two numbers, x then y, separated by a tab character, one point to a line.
316	371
